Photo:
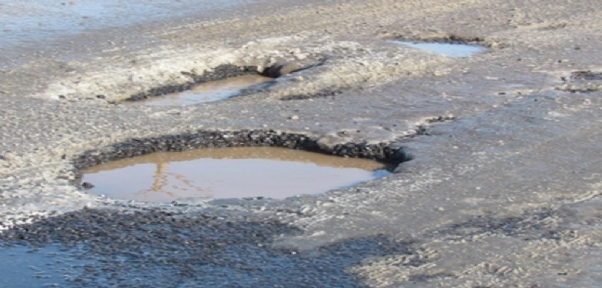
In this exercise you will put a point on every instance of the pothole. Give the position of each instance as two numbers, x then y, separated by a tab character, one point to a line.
223	82
236	172
453	49
234	165
210	91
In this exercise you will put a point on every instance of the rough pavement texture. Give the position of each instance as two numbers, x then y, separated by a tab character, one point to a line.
503	189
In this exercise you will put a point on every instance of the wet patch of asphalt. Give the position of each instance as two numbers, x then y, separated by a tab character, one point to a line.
171	249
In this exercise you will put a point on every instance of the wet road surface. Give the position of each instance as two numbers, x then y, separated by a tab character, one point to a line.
502	187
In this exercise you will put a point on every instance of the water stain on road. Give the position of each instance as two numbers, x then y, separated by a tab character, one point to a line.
228	173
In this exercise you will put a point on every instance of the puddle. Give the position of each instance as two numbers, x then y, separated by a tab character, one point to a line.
228	173
208	91
42	267
447	49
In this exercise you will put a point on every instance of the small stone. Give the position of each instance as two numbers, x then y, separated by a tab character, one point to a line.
294	117
87	185
101	96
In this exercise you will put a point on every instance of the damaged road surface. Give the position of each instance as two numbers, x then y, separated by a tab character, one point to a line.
498	154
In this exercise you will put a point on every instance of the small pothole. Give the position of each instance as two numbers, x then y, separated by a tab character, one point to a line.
453	49
210	91
223	82
235	164
236	172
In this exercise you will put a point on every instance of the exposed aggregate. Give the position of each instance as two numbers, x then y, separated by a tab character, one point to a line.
503	189
220	139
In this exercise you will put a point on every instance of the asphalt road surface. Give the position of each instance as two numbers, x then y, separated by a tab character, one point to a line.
499	154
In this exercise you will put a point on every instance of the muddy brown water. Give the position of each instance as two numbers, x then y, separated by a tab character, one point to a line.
208	92
228	173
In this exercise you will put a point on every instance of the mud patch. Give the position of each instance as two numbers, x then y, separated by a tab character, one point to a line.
235	172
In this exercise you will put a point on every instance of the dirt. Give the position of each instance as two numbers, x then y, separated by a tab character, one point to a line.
503	191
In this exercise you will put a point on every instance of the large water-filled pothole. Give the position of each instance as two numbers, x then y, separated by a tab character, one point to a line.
234	172
459	50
